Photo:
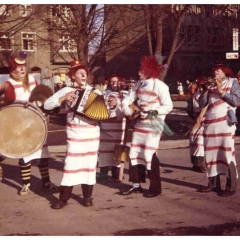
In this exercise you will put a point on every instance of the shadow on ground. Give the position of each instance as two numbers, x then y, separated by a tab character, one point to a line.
227	229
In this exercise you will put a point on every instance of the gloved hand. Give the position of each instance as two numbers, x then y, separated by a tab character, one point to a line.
97	91
143	115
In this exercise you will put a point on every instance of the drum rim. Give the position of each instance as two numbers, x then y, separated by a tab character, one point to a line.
34	109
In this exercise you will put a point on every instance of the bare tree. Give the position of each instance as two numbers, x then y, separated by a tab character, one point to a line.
88	31
156	16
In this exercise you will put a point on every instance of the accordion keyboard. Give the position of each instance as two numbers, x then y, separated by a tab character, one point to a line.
95	107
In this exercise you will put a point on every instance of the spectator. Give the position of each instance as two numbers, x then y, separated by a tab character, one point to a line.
180	89
100	83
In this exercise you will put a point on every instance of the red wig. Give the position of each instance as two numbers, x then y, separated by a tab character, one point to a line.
228	72
150	67
200	80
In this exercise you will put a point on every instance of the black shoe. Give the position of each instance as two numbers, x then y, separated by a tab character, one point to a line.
226	193
88	202
102	178
208	189
132	190
151	194
59	204
198	169
51	187
205	189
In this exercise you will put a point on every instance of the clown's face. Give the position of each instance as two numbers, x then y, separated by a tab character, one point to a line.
80	78
219	74
114	83
20	71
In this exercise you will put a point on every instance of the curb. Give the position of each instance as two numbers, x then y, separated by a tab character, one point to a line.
167	144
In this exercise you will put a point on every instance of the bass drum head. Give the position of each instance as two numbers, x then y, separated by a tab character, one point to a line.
22	131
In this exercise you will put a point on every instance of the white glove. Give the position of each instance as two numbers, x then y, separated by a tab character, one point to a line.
97	91
143	115
127	111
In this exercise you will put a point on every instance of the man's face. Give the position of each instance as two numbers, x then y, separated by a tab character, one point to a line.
141	75
80	77
114	83
219	74
20	71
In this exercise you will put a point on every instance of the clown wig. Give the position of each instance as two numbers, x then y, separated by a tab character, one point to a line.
228	72
150	67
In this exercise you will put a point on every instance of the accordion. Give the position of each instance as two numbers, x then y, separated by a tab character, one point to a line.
90	104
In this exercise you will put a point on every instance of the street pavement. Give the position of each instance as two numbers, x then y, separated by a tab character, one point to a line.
180	211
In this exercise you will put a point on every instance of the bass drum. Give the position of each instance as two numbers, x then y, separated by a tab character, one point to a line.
23	130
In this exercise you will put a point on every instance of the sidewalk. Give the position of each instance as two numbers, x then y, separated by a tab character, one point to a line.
164	144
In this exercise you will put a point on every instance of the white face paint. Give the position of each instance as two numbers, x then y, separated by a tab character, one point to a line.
80	78
20	71
114	83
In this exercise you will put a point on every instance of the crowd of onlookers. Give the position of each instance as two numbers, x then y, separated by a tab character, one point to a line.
102	84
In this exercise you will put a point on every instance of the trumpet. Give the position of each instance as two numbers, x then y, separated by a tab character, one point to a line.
211	82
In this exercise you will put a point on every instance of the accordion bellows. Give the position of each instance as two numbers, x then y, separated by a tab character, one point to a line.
95	107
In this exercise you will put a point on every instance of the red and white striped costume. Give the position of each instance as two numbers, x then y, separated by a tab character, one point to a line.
218	135
83	135
112	133
151	94
16	92
196	136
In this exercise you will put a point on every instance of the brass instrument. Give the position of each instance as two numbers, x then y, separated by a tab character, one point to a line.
121	152
211	82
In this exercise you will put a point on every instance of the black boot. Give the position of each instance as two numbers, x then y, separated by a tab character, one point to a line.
201	164
44	171
194	161
87	195
155	188
103	174
115	173
214	185
231	184
64	196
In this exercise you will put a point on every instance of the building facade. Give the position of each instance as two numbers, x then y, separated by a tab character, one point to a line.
37	29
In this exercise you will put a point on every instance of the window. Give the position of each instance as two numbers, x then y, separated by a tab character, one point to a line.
214	36
5	42
196	34
195	9
198	9
182	32
189	34
25	10
208	35
4	10
60	10
208	11
67	44
28	41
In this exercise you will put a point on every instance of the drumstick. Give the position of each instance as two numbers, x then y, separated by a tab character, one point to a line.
201	115
121	170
